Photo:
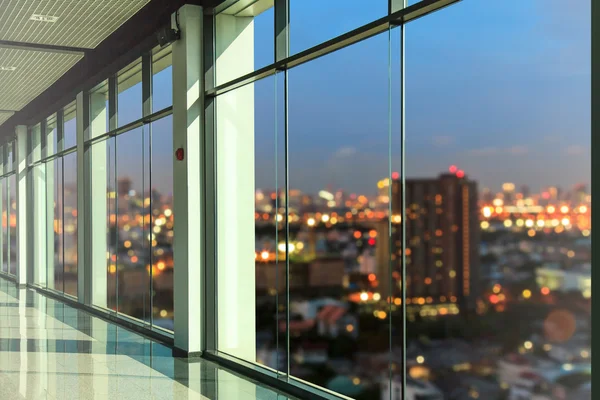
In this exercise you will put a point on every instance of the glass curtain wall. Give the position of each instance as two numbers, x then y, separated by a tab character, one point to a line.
494	217
303	184
391	254
132	256
132	211
9	214
53	185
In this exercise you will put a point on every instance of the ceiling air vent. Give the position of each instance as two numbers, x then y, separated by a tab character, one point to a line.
43	18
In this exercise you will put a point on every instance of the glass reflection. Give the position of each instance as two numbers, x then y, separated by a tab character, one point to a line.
131	248
162	217
69	231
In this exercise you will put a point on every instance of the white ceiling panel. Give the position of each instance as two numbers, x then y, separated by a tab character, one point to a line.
24	72
34	72
79	23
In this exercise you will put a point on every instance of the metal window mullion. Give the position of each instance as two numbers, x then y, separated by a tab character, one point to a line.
146	84
43	139
282	30
287	214
147	111
112	102
60	131
403	197
210	206
282	52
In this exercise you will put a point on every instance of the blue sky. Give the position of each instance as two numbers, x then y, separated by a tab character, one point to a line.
500	88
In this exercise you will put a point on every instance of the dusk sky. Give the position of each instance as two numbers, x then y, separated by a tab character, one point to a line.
500	88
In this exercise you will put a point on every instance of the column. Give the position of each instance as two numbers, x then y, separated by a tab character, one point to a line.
236	270
83	200
21	179
188	96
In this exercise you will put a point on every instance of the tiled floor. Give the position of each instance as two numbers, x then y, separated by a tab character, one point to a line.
49	350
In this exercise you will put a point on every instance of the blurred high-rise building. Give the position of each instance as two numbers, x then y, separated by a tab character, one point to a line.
442	240
508	189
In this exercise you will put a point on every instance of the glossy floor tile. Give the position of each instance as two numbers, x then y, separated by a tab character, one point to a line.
49	350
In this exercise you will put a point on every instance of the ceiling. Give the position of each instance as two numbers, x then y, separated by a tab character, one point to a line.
34	54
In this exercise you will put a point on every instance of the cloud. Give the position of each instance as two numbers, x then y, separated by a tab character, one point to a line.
345	152
441	141
486	151
517	150
575	150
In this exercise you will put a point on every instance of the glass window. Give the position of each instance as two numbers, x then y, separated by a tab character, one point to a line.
12	226
110	227
70	223
244	39
5	224
129	101
495	221
57	272
99	110
10	163
133	221
70	126
313	22
51	136
162	79
339	271
249	187
161	203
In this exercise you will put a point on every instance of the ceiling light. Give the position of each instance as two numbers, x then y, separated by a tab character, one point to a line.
43	18
7	68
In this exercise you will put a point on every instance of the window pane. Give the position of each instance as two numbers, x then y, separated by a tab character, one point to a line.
497	224
5	225
161	199
244	40
10	166
38	222
58	244
12	227
132	247
129	101
313	22
110	232
70	127
162	79
70	223
339	144
247	192
99	118
51	136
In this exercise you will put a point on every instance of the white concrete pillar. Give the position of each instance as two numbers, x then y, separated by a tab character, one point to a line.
21	191
188	121
235	190
98	201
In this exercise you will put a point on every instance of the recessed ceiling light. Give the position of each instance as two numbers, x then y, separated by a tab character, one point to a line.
7	68
43	18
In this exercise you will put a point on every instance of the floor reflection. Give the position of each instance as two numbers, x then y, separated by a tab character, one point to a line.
49	350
